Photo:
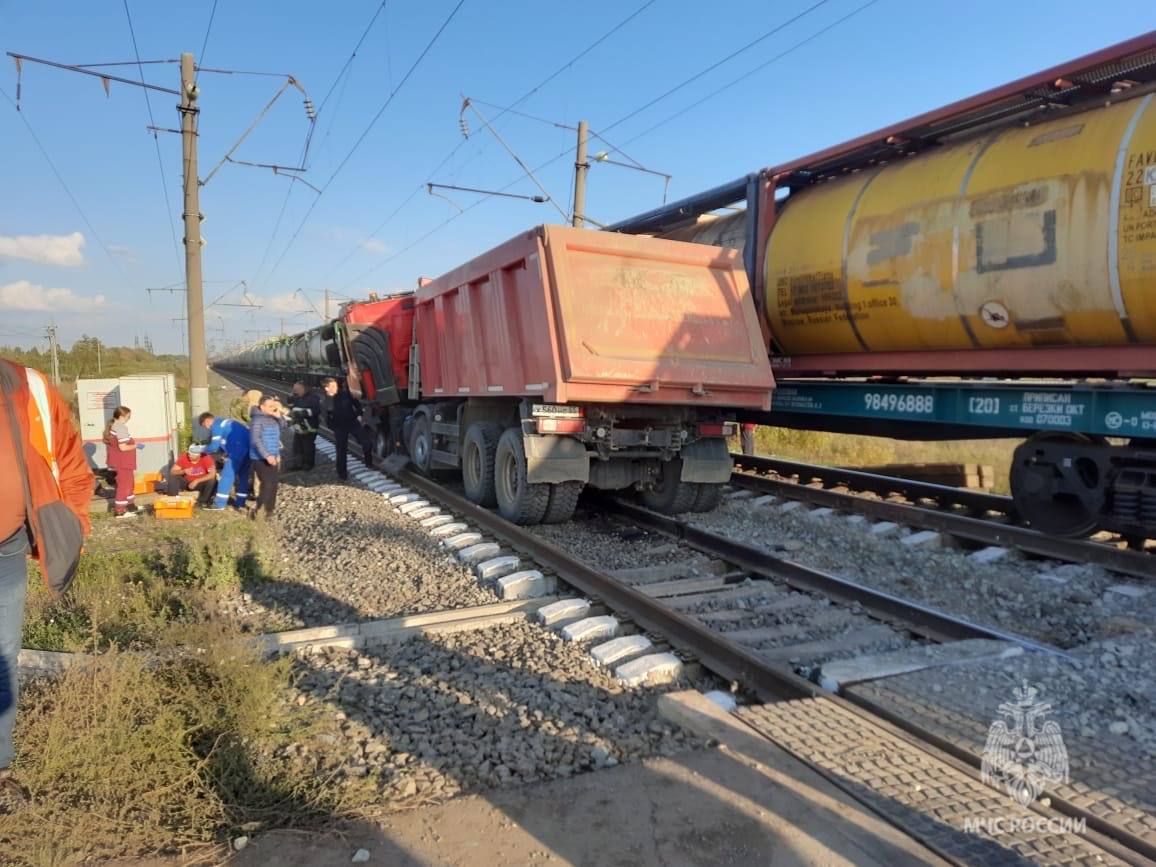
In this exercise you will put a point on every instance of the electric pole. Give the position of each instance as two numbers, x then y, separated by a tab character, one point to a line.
326	305
194	289
50	332
580	169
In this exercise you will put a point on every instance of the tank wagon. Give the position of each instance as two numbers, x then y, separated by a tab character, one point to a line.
560	359
984	270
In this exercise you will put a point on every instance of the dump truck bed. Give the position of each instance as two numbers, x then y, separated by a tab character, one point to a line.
577	316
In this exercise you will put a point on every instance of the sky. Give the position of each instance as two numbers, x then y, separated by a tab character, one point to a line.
85	228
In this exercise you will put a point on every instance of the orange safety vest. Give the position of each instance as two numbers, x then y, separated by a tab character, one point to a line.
40	422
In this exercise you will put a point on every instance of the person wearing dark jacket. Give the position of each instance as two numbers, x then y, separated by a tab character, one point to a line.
344	416
265	427
305	416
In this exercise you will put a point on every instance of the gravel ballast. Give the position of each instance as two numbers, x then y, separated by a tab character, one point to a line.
438	715
344	555
1062	604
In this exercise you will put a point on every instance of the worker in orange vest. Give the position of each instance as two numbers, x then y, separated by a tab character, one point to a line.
45	486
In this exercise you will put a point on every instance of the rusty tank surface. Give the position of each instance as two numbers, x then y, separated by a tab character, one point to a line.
1027	236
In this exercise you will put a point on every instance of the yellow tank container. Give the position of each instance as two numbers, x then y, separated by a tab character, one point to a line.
1027	236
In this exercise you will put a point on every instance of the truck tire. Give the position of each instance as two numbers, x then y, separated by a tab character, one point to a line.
670	495
563	501
420	443
479	449
518	500
708	497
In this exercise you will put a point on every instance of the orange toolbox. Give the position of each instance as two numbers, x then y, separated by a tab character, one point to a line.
146	482
173	508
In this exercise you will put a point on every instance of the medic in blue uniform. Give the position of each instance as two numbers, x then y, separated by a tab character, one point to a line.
231	437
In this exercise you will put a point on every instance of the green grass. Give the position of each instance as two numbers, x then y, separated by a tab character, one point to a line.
168	738
135	583
852	450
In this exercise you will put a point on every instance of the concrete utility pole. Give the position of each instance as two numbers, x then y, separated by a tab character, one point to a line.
580	169
326	305
194	288
54	348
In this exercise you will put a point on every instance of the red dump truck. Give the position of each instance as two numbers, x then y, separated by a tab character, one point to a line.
560	359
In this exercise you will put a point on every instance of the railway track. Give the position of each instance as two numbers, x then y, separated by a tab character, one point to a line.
778	631
972	516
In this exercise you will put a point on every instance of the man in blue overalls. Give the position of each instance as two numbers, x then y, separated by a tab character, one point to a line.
231	437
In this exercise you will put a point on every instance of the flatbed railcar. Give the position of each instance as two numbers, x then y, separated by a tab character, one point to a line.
987	269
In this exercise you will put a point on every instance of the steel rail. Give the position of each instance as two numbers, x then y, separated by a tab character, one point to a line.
912	489
1127	562
913	617
733	662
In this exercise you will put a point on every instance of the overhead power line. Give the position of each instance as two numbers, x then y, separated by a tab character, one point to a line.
156	142
446	222
361	138
64	184
208	30
341	77
710	96
712	67
505	110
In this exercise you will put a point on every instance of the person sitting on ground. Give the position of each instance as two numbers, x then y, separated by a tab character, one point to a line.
305	413
121	458
194	471
231	437
265	451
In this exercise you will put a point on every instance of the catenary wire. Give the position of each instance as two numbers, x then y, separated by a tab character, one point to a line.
342	76
64	185
454	151
712	67
599	135
360	139
208	30
156	142
344	69
802	42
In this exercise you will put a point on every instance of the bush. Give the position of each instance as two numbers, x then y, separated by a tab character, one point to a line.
127	755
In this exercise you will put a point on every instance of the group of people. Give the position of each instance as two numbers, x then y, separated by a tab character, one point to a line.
251	453
46	483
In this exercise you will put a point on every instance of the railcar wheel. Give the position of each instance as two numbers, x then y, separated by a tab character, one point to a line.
563	502
479	451
1056	486
421	443
518	500
670	495
708	498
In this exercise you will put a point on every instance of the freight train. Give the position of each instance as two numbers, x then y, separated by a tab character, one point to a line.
560	359
984	270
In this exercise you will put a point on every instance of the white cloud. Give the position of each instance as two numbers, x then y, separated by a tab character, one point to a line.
63	250
23	295
374	246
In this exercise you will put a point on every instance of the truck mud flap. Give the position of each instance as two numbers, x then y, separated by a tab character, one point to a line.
554	459
706	461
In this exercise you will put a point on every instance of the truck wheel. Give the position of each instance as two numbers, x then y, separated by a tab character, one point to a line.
708	497
670	495
478	453
421	443
563	501
518	500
